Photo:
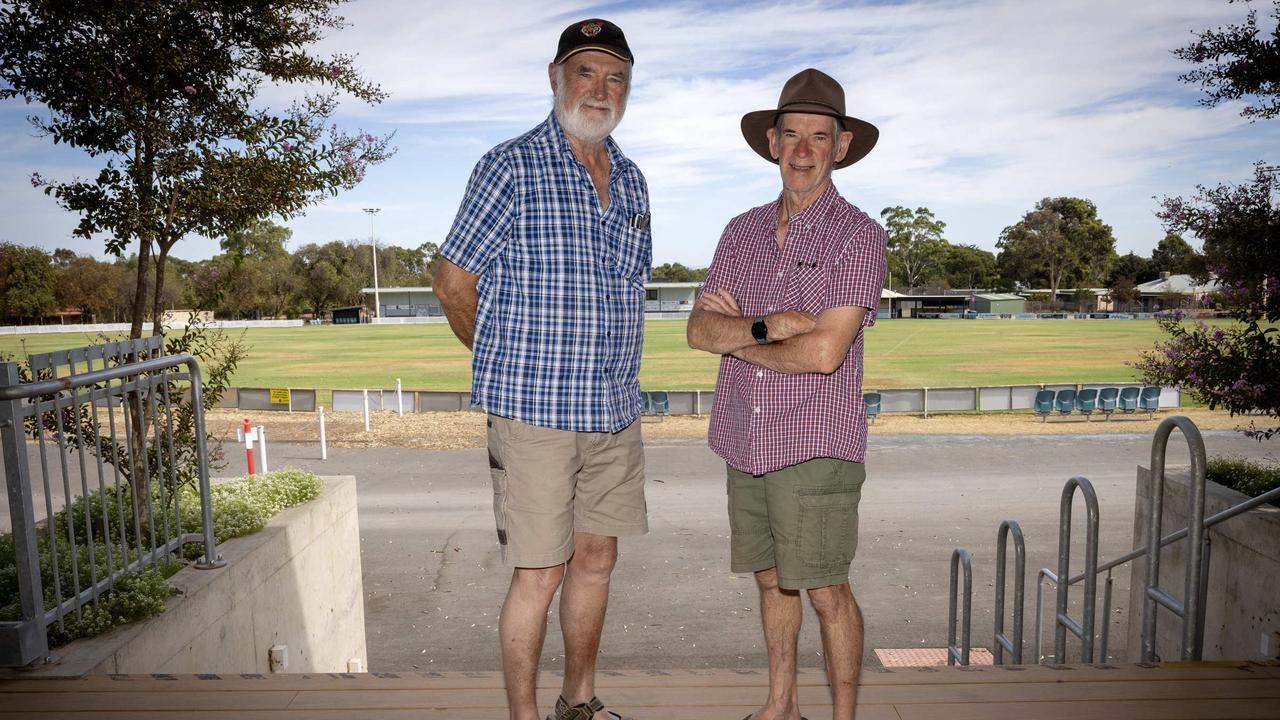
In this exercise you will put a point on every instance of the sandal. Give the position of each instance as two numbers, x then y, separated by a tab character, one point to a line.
582	711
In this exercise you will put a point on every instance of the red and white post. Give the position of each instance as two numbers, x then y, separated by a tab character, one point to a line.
248	444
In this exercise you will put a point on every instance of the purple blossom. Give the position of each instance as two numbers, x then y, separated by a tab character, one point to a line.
36	179
1273	285
1178	314
1218	334
285	146
335	71
28	98
189	90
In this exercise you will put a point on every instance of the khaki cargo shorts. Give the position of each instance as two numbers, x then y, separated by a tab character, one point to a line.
549	484
802	519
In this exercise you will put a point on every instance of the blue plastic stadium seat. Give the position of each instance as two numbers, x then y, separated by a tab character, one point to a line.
1149	400
1044	404
872	401
646	403
1108	401
1086	402
1129	400
661	403
1065	402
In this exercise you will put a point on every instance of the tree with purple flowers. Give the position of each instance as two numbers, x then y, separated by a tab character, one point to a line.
165	94
1236	367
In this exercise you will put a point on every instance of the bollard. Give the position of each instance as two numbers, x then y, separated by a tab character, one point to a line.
262	448
324	446
366	410
248	444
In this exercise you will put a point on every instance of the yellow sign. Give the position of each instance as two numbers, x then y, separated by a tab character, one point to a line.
279	396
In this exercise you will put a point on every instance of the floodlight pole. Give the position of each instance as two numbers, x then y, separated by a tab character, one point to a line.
377	304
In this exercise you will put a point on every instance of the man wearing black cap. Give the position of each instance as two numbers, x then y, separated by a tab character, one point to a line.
543	278
788	292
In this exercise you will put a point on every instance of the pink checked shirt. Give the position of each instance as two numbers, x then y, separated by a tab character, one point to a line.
834	256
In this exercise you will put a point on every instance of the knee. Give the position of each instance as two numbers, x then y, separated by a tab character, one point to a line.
595	559
767	579
542	581
831	601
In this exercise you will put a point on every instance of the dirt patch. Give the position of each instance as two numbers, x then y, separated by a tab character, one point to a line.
447	431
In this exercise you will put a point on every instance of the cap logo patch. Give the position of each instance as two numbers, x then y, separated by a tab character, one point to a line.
591	29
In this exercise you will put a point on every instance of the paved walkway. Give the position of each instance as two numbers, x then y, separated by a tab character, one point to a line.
433	581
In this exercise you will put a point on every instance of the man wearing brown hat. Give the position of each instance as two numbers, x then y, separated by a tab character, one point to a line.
544	278
788	292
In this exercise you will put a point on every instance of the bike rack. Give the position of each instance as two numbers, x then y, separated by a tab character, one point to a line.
1002	642
1190	608
960	653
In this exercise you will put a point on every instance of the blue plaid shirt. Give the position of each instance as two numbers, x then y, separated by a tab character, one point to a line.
560	315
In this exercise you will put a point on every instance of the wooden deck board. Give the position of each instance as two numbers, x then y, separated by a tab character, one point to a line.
989	693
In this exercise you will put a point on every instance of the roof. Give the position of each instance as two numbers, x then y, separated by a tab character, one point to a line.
999	296
1181	284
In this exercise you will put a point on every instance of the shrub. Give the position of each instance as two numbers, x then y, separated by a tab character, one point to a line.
1246	476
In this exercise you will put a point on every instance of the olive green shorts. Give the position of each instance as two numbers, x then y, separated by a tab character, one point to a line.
802	519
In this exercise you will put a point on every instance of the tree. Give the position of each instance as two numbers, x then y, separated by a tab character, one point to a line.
164	91
676	272
259	240
1173	255
1234	63
1133	266
969	266
1061	241
327	274
1232	367
88	284
26	283
1124	292
916	247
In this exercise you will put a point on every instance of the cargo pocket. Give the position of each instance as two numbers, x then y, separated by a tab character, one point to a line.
498	474
828	528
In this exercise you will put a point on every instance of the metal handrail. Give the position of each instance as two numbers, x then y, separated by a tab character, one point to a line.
960	653
25	640
1002	642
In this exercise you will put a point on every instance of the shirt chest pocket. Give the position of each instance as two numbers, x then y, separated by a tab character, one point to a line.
806	286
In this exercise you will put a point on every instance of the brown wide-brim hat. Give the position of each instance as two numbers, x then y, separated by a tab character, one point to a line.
817	93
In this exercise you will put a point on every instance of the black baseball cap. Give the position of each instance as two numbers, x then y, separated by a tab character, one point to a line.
593	34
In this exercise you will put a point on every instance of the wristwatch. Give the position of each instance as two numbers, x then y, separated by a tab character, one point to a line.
760	331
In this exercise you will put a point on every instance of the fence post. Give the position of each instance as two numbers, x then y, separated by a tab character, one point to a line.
366	409
23	641
324	446
399	399
262	447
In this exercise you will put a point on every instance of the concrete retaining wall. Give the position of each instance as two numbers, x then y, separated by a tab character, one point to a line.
296	583
1242	609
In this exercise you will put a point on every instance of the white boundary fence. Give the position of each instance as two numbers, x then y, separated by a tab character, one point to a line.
124	327
987	398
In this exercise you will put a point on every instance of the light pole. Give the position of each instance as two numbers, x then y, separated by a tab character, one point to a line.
377	305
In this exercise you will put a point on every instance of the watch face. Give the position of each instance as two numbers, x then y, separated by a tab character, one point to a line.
760	331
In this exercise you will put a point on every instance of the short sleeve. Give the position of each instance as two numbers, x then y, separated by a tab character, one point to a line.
721	269
482	227
858	276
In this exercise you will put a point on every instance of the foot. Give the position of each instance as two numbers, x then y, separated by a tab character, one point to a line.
772	712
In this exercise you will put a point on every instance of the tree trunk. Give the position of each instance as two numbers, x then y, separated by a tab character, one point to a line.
157	309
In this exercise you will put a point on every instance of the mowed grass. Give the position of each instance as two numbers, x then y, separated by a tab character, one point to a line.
899	354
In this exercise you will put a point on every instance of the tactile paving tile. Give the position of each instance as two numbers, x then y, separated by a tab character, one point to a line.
922	657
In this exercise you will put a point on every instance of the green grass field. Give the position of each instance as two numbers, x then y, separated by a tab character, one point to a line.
899	353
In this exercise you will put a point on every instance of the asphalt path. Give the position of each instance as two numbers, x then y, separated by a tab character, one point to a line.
434	582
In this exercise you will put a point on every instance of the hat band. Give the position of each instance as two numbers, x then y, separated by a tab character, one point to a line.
601	48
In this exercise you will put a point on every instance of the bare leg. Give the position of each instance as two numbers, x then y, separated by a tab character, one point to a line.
841	623
781	614
522	627
583	602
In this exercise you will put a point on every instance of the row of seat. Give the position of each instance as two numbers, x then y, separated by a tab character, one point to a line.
1127	400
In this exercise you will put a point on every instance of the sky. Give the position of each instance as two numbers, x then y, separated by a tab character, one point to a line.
984	107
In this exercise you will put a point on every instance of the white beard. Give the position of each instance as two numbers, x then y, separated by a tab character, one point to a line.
584	126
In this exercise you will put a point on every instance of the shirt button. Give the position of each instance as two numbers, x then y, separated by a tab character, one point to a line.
779	273
759	373
757	410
